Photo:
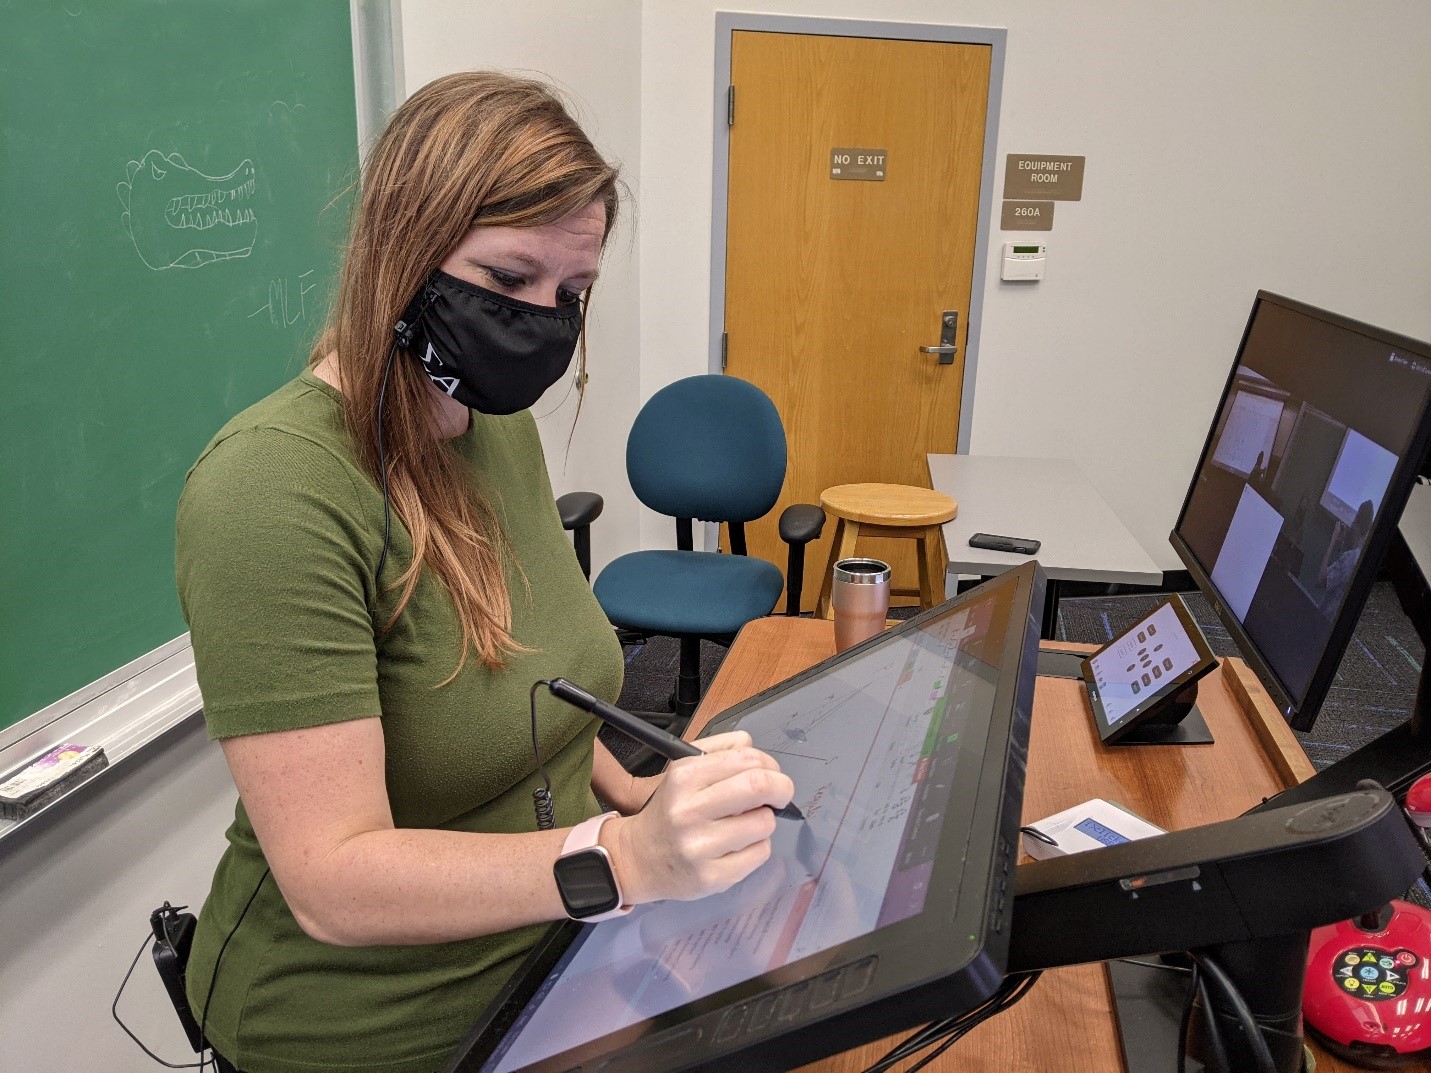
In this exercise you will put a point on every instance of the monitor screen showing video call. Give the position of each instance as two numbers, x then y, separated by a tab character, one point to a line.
1298	474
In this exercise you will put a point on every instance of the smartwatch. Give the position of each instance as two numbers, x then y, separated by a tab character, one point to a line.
584	876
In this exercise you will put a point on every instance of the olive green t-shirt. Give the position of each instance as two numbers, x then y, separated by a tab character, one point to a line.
279	534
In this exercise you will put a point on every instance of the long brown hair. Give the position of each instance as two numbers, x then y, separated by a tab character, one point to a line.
471	149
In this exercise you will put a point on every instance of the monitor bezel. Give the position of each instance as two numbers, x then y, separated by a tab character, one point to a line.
912	980
1146	709
1301	712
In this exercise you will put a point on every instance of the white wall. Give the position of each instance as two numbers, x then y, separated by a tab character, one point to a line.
75	897
1230	146
591	49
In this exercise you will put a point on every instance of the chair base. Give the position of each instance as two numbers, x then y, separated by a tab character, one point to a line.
642	760
685	698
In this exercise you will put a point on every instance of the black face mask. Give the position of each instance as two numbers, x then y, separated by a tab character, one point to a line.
493	354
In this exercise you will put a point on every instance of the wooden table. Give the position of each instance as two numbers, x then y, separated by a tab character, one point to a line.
1066	1022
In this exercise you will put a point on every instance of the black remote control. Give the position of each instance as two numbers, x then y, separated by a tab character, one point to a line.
995	542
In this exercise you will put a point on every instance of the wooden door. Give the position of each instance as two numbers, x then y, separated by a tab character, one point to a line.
832	285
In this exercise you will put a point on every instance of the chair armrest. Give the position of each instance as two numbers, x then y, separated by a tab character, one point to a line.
579	508
801	523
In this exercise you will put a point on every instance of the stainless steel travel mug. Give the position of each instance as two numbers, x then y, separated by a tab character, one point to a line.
859	593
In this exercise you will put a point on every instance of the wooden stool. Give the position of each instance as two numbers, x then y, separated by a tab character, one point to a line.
899	511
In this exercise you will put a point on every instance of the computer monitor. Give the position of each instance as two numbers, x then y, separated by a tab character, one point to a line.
1319	436
892	897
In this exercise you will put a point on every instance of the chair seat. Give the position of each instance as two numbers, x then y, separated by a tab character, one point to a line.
687	592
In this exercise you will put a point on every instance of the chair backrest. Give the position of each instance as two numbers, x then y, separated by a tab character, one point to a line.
707	447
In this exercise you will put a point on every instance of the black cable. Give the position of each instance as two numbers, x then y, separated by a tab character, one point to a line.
1153	965
404	333
952	1029
542	795
383	469
1185	1022
214	977
114	1011
965	1030
1214	1030
1218	975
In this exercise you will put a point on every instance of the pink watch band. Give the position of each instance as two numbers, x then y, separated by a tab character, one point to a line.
584	836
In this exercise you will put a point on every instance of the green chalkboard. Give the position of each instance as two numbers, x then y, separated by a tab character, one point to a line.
174	187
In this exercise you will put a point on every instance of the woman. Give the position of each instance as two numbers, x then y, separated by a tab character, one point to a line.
374	574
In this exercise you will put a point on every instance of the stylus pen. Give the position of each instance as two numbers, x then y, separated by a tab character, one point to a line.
633	726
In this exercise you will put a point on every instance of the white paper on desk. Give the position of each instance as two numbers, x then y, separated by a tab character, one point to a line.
1091	825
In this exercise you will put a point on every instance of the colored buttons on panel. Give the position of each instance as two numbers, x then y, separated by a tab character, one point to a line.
1372	973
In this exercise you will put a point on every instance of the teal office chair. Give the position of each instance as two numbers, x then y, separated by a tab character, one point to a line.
706	448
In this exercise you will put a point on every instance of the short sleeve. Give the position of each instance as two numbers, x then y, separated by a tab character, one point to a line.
274	579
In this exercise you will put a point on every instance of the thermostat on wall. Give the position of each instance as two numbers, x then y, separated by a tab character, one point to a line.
1023	260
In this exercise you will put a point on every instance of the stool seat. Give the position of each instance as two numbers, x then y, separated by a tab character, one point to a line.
888	504
897	511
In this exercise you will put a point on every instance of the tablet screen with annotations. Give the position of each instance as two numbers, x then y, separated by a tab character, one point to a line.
892	896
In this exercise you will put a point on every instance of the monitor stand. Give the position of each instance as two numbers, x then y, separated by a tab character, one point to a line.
1148	1003
1149	1000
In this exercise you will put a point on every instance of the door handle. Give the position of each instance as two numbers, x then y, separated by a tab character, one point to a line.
948	329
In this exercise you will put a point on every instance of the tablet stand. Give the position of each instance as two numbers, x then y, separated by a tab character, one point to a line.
1054	664
1176	721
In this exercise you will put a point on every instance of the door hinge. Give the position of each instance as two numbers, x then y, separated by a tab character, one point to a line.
730	106
724	349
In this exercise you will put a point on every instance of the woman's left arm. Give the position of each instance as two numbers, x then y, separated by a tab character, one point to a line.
616	786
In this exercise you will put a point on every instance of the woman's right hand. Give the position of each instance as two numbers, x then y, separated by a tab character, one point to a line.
707	826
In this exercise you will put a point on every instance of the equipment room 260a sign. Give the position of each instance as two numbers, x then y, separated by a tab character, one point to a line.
1043	178
858	164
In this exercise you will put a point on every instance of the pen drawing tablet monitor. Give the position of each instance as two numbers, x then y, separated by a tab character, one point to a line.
1132	678
892	897
1321	431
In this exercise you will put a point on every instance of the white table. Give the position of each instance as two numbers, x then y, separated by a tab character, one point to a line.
1416	526
1048	499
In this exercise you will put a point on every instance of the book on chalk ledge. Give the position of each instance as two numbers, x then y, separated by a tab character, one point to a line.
53	775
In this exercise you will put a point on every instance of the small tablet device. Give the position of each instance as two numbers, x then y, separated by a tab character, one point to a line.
891	898
1142	685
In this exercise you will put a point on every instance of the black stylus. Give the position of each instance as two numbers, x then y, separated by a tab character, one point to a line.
633	726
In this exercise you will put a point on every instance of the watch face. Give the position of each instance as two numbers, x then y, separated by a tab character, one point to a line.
586	883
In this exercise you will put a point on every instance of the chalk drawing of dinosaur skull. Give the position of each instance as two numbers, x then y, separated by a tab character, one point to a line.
179	217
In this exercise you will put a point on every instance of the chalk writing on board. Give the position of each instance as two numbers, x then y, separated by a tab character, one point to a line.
287	300
178	217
